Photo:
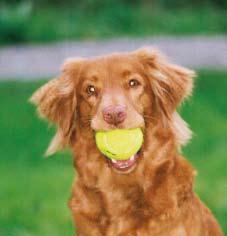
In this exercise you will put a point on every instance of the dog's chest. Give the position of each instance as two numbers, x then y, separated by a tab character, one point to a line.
121	212
130	213
127	209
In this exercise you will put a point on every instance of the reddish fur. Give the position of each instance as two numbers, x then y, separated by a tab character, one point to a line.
157	197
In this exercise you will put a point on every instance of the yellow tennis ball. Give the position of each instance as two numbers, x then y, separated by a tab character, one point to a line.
119	144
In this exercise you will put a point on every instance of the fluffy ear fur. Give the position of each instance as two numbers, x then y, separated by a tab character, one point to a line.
56	102
171	84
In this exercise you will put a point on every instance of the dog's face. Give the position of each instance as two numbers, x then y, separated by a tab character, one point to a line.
112	93
119	91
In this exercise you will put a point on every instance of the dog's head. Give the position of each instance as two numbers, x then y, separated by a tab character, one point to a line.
125	90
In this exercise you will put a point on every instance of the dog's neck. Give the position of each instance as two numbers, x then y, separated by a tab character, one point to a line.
159	151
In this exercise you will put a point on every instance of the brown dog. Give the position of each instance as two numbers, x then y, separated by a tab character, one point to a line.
151	195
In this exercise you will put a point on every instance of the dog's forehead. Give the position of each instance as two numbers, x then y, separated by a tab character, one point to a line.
112	65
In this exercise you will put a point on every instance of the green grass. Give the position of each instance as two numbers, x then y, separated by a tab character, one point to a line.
24	23
34	191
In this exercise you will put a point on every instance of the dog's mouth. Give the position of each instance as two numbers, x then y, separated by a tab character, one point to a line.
124	166
109	152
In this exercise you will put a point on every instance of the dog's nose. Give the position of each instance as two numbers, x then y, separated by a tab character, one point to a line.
114	114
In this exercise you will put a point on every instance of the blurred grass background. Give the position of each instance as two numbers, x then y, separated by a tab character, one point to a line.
23	21
34	190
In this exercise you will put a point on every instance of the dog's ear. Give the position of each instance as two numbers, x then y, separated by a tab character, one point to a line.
170	83
56	102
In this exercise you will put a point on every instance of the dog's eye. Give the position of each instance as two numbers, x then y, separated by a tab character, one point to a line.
91	90
134	83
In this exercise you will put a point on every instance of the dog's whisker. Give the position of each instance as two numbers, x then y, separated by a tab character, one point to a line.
149	117
86	118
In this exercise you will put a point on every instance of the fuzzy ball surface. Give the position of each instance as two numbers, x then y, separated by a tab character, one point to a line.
119	144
